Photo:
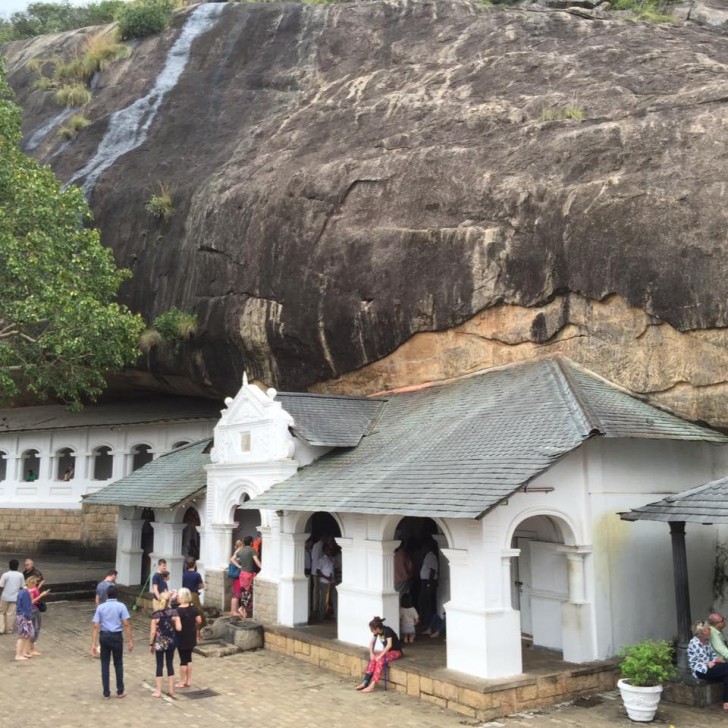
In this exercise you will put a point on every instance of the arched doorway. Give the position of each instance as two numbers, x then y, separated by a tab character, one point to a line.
540	579
147	542
323	530
190	534
419	537
246	523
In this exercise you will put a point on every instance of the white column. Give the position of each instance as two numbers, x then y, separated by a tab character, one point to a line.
578	625
118	469
507	556
483	631
362	596
293	583
128	550
215	552
168	545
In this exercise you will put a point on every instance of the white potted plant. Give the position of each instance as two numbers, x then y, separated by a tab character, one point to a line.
645	667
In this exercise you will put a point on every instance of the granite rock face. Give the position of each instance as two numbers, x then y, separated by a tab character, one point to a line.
347	177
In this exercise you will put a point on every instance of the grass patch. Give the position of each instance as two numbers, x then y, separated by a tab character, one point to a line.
160	205
73	95
570	111
74	125
149	339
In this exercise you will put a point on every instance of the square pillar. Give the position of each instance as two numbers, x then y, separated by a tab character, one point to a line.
362	596
293	583
168	545
483	631
129	551
577	614
215	552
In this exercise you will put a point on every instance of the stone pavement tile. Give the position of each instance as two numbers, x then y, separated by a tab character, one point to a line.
63	688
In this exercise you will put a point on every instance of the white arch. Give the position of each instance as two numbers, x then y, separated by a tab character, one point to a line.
298	521
389	527
97	446
571	534
231	497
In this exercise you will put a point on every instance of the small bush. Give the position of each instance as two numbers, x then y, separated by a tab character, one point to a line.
647	10
73	95
161	205
71	128
175	326
141	18
647	663
100	51
149	339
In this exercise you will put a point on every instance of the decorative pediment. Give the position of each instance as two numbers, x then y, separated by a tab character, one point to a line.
253	428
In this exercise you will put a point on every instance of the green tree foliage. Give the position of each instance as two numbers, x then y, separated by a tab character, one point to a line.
40	18
61	328
141	18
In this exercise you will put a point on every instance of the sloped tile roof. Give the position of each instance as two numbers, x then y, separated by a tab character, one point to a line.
330	420
707	503
128	412
457	449
164	482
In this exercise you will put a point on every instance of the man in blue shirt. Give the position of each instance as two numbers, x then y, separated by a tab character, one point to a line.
110	619
103	586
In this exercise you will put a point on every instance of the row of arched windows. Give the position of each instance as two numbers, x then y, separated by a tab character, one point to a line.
100	466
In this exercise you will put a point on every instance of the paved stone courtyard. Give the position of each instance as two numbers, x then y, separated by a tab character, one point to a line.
62	689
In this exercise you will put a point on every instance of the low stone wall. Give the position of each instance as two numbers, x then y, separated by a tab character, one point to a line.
89	533
482	700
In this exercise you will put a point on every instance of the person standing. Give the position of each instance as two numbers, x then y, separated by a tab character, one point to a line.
11	582
191	621
24	625
30	570
192	580
159	582
246	560
429	573
36	596
110	620
103	586
163	641
402	570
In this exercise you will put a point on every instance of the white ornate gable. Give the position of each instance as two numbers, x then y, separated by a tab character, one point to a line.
253	428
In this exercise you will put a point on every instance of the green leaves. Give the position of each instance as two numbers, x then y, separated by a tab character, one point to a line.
647	663
61	329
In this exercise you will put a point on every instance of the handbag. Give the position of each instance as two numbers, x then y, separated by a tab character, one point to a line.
232	571
41	606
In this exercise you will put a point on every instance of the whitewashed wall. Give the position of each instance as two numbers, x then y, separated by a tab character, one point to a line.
51	491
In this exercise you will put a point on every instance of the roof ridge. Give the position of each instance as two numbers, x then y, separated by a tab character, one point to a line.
327	395
566	382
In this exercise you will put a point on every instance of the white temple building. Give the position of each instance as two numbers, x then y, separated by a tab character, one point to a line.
519	473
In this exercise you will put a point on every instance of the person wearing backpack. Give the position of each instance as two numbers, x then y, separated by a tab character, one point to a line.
163	641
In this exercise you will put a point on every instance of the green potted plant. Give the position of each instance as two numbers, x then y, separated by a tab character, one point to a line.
645	667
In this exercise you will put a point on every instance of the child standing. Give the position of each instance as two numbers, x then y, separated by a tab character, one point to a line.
408	619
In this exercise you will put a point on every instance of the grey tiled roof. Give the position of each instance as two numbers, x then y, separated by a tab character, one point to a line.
457	449
330	420
707	503
165	482
127	412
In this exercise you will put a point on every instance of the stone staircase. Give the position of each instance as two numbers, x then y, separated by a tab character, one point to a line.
72	591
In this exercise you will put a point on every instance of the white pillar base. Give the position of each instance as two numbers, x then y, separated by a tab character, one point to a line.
577	628
129	566
485	644
293	601
357	607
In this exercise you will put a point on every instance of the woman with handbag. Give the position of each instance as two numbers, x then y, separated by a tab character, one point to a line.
37	606
163	641
246	559
233	572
